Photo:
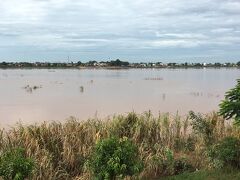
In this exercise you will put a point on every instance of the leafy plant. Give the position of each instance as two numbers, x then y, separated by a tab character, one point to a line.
230	107
14	165
182	165
114	158
225	153
203	126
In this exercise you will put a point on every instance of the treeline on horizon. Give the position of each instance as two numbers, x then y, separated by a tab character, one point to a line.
113	63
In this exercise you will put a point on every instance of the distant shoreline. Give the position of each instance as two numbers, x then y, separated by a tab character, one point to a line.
114	64
119	68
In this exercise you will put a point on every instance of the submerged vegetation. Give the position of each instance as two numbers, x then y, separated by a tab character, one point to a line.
30	89
166	145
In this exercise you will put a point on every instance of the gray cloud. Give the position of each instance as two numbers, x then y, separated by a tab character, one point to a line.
134	30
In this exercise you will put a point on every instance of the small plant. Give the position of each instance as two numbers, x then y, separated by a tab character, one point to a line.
225	153
114	158
14	165
230	107
182	165
81	89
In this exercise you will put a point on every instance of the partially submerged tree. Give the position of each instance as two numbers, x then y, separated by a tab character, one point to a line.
230	107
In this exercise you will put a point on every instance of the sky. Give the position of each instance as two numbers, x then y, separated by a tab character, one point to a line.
133	30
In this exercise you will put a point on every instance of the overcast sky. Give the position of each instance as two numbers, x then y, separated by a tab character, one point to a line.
134	30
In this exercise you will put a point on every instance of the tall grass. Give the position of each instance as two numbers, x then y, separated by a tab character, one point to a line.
61	150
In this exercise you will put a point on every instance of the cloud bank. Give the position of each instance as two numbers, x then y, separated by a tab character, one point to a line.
133	30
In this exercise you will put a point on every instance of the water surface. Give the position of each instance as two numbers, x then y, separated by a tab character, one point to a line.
90	93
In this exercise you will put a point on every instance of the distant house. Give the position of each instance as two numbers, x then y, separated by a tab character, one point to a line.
102	64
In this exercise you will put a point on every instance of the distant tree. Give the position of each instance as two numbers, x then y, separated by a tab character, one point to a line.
198	65
230	107
172	64
238	63
91	63
118	63
79	63
228	64
3	63
217	64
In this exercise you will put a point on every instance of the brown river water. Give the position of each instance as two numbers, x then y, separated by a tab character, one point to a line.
90	93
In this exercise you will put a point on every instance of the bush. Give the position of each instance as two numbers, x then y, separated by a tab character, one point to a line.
114	158
165	164
14	165
225	153
203	126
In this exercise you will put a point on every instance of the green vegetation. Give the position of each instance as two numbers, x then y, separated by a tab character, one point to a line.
230	107
167	145
225	174
114	158
14	165
225	153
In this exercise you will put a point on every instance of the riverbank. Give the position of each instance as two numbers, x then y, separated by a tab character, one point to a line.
168	145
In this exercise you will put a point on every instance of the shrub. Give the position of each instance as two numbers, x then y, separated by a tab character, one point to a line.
114	158
165	164
225	153
230	107
203	126
14	165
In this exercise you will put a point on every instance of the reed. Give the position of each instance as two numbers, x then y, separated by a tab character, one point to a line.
61	150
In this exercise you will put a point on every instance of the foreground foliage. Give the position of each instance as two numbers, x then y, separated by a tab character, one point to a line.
230	107
167	145
226	174
14	165
225	153
114	158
